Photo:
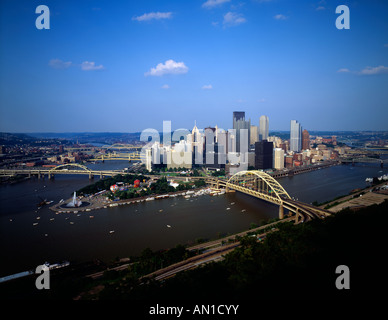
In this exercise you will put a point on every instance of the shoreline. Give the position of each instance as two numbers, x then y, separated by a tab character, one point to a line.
98	203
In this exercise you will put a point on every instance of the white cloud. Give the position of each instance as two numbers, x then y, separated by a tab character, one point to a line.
374	70
153	16
367	71
169	67
90	66
233	19
280	17
59	64
213	3
320	8
165	86
207	87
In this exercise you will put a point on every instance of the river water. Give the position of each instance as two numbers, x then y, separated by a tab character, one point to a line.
77	238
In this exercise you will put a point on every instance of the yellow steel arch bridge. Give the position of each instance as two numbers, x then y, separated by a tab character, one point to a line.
262	186
121	146
69	168
132	156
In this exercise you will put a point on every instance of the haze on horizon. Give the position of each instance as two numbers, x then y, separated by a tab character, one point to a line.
127	66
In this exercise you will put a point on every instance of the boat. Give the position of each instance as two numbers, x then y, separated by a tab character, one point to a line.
150	199
168	226
57	265
111	231
52	219
243	210
42	202
227	208
91	217
35	223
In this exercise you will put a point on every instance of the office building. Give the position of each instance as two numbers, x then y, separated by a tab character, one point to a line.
263	128
278	158
243	129
295	136
254	134
305	140
263	155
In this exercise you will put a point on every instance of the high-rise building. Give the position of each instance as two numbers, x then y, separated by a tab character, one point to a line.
278	158
240	124
254	134
263	128
263	155
295	136
149	159
305	140
196	139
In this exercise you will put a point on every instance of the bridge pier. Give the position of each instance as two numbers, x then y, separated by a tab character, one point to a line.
91	176
281	212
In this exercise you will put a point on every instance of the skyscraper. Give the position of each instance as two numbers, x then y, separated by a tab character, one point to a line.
263	155
305	140
295	136
263	128
278	158
254	134
239	123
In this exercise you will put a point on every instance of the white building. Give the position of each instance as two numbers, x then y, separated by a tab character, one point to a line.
278	158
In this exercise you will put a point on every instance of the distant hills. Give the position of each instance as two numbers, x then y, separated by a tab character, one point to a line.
43	138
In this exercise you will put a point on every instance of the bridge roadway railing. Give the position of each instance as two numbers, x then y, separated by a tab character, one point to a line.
39	172
302	211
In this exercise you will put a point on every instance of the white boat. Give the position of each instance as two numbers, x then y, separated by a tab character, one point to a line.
150	199
112	231
168	226
227	208
34	224
243	210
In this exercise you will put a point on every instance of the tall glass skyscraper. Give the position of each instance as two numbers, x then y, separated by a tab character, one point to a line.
295	136
238	124
263	128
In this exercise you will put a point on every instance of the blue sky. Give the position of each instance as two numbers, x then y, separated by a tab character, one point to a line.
125	66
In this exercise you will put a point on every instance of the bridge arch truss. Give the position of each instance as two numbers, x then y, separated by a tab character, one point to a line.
259	184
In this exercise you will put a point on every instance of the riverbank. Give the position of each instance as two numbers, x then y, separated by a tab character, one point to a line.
100	201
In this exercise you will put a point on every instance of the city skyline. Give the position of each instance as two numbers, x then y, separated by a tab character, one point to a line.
186	61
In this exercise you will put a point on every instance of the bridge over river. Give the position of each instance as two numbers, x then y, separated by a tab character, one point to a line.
263	186
254	183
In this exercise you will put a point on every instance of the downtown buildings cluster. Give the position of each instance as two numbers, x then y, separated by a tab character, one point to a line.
244	147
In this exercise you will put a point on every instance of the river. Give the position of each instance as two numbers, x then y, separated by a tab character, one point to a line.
158	224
